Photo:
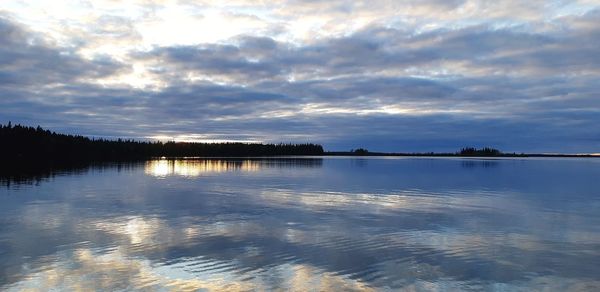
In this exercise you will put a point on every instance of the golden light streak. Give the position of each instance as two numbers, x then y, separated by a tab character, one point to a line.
191	168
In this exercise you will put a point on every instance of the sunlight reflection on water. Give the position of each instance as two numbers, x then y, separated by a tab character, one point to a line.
166	167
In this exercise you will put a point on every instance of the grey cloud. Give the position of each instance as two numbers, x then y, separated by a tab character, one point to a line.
26	60
516	88
480	48
214	59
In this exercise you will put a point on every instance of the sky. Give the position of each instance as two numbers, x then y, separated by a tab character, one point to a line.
405	76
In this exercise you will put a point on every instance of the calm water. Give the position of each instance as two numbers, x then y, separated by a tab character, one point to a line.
306	225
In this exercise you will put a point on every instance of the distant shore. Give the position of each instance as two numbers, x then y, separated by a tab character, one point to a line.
433	154
23	143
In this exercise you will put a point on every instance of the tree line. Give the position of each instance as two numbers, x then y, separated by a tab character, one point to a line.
28	143
486	151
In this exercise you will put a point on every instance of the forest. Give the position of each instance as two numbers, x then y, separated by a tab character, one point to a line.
21	143
486	151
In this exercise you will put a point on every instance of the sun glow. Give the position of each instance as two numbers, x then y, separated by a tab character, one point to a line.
200	138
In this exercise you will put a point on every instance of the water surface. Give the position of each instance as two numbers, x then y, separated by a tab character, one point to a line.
305	224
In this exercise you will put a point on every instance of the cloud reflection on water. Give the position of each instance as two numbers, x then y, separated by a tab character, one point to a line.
283	229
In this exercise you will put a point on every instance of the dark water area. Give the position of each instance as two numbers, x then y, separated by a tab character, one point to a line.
304	224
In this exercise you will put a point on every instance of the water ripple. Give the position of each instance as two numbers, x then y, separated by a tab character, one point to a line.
249	225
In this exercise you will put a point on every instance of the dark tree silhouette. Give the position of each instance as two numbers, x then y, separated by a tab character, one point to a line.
360	151
486	151
19	143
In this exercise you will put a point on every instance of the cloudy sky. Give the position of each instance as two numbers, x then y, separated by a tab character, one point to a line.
430	75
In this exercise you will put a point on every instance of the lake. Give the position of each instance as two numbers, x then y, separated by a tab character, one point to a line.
305	224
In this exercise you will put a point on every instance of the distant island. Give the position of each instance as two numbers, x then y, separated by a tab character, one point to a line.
464	152
467	151
23	143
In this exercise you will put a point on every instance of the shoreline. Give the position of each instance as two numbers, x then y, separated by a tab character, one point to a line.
523	155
